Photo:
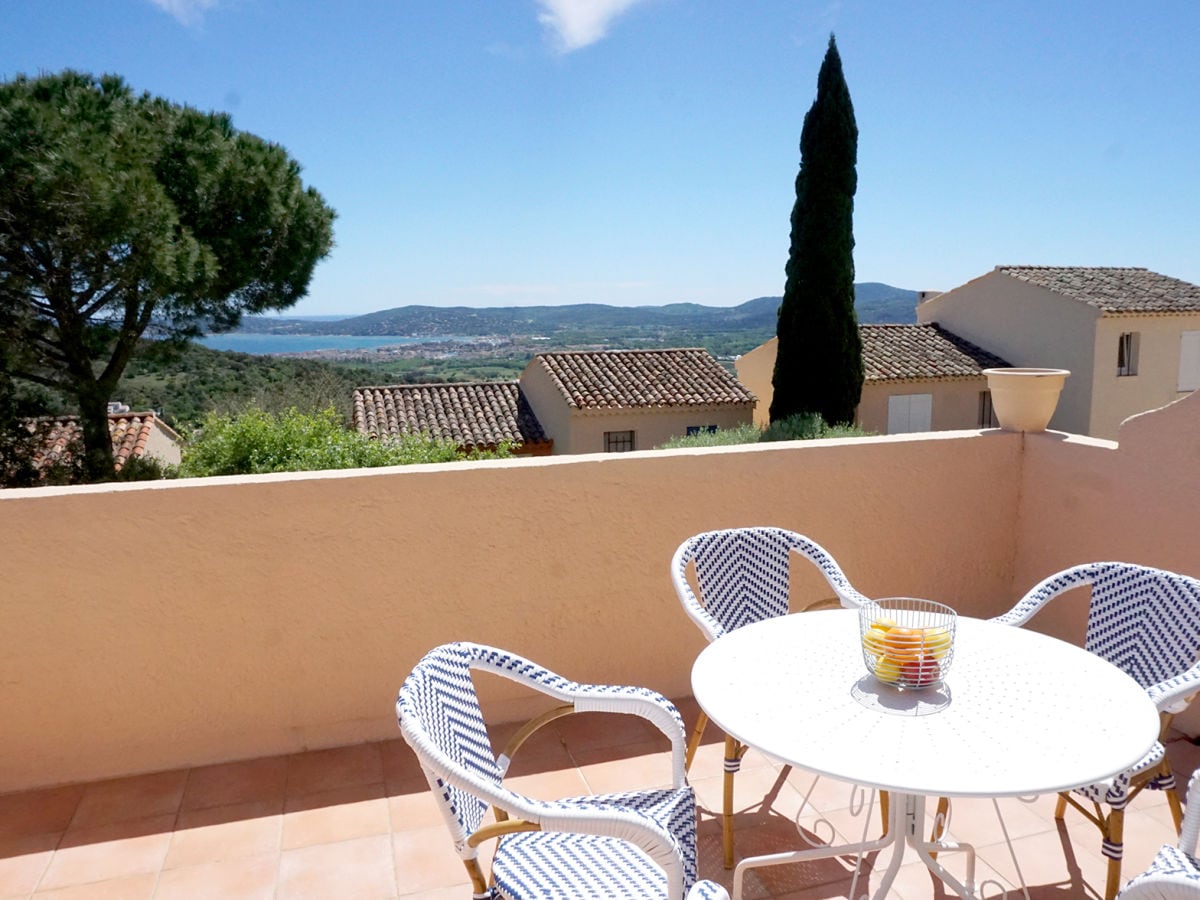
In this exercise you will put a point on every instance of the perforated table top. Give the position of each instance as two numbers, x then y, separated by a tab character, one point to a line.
1020	713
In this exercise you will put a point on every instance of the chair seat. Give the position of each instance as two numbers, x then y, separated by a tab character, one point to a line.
1115	791
545	864
1172	874
550	864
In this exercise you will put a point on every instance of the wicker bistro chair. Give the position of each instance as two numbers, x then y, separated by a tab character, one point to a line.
638	844
1146	622
1174	873
743	578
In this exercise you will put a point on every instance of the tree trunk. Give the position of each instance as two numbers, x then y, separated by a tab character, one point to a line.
98	462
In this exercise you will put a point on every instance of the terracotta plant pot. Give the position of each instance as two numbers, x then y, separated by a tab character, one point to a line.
1025	399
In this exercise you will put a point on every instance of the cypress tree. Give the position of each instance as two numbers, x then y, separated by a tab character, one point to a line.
818	366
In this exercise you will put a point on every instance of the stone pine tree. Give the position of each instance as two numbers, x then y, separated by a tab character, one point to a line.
818	366
123	215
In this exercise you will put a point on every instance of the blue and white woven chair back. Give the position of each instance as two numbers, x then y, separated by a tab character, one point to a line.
1146	621
743	572
440	717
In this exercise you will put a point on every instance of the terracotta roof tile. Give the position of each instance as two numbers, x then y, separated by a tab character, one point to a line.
130	433
472	414
898	352
1113	289
626	379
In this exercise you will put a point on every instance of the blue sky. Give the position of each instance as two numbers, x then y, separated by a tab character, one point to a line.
512	152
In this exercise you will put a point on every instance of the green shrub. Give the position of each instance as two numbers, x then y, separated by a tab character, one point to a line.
808	427
800	427
743	434
255	441
146	468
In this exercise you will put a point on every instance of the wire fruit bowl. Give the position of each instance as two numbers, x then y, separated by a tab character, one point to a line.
907	642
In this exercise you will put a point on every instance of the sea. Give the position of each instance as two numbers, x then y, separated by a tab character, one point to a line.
266	344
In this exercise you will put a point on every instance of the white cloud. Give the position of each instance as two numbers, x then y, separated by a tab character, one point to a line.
577	23
186	12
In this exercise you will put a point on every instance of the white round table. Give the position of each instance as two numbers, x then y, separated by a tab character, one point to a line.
1019	713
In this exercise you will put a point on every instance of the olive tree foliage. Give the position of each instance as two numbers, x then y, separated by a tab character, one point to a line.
123	215
818	365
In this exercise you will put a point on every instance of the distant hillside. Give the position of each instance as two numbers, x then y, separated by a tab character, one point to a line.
874	303
881	304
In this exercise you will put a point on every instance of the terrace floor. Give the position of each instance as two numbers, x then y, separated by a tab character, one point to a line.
359	822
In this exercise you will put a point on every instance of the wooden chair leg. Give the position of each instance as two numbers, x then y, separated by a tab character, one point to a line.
885	801
732	758
1114	836
1060	808
1164	771
694	740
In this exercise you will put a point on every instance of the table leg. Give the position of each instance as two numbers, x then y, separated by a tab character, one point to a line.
794	856
913	824
906	818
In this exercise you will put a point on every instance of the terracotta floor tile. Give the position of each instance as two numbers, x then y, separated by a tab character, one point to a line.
221	833
236	782
123	799
583	731
332	816
109	851
361	868
546	742
132	887
416	810
825	793
975	820
40	811
23	860
425	860
252	878
627	768
360	821
327	770
778	837
1051	862
457	892
549	785
401	771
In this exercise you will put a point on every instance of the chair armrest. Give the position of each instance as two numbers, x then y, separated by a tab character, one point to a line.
1045	591
708	625
1190	828
645	703
1172	695
637	701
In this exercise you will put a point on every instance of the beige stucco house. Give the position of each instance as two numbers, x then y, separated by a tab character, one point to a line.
1129	336
571	402
916	378
619	400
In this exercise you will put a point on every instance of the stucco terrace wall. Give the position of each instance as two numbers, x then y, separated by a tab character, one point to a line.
154	626
1136	500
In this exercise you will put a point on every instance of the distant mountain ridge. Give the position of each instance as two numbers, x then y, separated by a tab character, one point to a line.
874	303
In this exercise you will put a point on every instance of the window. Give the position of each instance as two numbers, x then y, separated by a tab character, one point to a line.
693	430
618	441
909	412
1189	361
1127	353
987	415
